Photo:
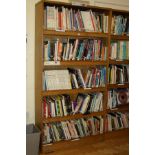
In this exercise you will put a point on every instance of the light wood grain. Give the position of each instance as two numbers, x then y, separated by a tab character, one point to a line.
112	144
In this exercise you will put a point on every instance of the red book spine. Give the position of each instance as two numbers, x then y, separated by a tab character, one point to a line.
81	21
92	20
49	110
61	23
44	107
93	52
59	20
106	124
94	78
80	24
103	52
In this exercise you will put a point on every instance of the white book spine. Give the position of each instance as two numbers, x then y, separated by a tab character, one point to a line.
76	83
67	50
70	52
75	49
46	52
109	123
64	18
81	77
101	125
85	104
64	130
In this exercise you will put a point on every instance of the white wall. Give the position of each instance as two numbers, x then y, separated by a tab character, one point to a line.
30	29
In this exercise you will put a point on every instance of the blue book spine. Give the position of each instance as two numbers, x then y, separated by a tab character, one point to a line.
89	51
80	52
104	69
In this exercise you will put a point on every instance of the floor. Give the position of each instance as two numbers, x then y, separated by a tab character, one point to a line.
116	146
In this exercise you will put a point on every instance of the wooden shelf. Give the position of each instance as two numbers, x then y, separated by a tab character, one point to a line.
118	62
119	37
69	117
75	34
66	144
72	91
121	108
76	63
113	86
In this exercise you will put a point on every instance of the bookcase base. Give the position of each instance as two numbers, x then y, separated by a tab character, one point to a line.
64	145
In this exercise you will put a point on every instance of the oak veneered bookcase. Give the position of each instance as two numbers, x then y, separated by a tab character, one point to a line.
40	34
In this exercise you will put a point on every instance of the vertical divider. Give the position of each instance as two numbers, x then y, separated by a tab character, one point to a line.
107	65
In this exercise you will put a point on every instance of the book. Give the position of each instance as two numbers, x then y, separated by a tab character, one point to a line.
120	25
118	74
57	79
119	50
116	121
51	17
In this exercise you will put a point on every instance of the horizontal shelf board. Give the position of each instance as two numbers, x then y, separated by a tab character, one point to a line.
76	116
75	63
112	86
121	108
119	37
118	62
72	91
75	34
66	144
120	11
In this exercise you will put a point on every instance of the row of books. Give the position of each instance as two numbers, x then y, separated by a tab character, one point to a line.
119	50
73	129
117	97
62	105
95	77
116	121
74	78
61	18
120	25
74	49
118	74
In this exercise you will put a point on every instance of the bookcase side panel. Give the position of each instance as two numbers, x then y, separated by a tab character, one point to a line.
38	61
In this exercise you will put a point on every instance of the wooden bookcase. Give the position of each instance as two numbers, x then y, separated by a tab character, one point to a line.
40	34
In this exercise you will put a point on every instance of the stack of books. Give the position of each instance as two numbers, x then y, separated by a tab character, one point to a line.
72	129
120	25
117	120
61	19
62	105
118	74
119	50
56	80
74	78
74	49
117	97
